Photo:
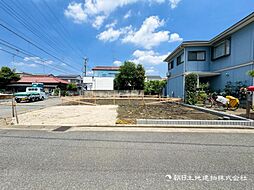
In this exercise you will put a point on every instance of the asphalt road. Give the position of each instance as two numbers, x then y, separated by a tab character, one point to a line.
6	109
125	160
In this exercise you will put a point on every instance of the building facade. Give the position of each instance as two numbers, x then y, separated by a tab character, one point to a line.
50	83
225	58
76	79
102	79
105	71
152	78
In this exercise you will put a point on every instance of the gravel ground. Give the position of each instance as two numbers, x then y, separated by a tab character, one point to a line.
71	115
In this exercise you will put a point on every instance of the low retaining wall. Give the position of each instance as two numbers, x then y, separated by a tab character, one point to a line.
214	112
195	122
114	93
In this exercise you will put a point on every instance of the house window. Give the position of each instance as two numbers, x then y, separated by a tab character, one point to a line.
171	65
196	55
221	50
180	59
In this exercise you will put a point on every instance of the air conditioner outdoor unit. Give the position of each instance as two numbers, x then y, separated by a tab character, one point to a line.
168	74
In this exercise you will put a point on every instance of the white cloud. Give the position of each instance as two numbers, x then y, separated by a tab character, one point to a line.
174	3
95	7
98	21
31	58
91	9
111	25
147	36
117	63
175	38
95	11
128	14
148	57
22	64
113	34
150	70
76	12
38	60
109	35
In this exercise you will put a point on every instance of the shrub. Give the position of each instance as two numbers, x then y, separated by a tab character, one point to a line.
191	89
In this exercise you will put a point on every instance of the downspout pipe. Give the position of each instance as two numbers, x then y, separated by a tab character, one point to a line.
184	70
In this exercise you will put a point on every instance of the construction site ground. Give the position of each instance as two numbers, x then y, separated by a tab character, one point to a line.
110	111
131	109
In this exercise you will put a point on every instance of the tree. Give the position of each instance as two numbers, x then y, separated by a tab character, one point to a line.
140	77
72	87
251	73
154	87
7	75
130	77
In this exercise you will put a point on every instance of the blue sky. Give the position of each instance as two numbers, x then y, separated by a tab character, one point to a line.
55	35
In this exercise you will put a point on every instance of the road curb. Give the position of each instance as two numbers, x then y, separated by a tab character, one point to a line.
50	127
202	123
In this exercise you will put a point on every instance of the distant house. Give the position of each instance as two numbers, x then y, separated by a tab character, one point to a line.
102	79
76	79
225	58
50	82
105	71
153	78
21	74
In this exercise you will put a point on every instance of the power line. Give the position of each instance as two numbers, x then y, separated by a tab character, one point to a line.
30	42
45	21
33	30
11	46
9	10
15	54
65	31
60	34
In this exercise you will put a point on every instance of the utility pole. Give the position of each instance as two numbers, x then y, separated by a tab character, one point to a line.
84	75
85	66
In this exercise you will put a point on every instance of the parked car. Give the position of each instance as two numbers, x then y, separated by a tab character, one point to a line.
34	93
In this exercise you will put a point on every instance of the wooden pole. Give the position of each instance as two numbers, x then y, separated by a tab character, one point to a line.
16	114
12	106
114	100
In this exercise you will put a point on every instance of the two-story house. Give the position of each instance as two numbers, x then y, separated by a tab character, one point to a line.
226	57
105	71
76	79
102	79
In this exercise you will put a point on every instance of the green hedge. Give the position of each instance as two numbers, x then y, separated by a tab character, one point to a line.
191	88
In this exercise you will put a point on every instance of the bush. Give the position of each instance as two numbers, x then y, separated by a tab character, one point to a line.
154	87
191	89
251	73
201	96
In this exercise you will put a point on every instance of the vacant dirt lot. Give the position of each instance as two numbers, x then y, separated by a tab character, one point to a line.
71	115
132	109
129	113
124	112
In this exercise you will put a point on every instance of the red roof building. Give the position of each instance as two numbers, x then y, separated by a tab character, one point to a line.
45	79
50	82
